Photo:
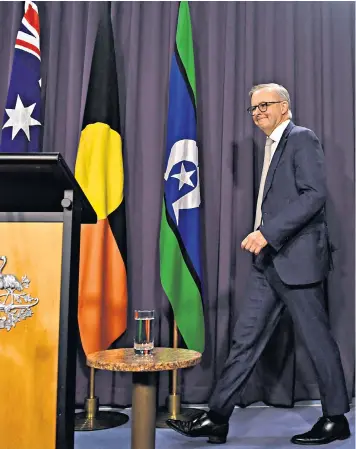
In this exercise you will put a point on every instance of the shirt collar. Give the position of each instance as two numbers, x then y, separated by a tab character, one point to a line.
277	133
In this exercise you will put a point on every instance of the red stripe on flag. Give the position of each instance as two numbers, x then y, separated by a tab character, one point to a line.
31	15
28	45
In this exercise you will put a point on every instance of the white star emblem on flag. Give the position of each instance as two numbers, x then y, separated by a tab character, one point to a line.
20	118
184	177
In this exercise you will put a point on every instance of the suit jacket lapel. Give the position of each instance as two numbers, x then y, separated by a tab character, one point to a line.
277	155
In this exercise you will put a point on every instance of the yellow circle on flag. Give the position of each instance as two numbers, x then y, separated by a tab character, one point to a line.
99	168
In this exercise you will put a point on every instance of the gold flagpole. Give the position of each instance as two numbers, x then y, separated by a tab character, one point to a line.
93	418
174	397
174	409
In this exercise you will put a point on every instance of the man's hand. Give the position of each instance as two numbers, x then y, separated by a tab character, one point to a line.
254	242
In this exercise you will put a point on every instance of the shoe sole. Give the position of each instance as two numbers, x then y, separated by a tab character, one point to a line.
212	439
324	442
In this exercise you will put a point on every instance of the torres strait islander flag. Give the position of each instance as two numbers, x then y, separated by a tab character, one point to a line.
99	171
180	223
21	127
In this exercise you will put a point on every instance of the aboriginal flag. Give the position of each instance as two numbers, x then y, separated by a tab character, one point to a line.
99	170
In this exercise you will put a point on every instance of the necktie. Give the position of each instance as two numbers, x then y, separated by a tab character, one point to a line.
266	164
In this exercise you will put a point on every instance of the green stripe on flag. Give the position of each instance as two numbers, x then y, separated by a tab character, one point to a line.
184	40
181	289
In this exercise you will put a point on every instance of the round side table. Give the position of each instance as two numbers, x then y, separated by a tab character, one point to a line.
144	372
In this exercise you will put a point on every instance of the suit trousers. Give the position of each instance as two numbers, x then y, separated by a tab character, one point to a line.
264	302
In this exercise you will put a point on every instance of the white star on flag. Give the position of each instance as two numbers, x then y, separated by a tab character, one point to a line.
20	118
184	177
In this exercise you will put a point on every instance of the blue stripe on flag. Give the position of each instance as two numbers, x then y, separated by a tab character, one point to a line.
182	125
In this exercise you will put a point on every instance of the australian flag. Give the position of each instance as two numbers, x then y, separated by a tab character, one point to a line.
21	127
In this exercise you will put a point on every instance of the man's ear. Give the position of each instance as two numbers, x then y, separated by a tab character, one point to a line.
284	107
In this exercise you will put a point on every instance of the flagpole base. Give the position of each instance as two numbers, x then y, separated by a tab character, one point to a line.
175	411
94	419
103	420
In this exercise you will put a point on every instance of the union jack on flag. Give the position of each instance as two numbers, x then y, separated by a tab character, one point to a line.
21	125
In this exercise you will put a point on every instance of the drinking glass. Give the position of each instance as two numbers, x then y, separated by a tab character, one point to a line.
144	328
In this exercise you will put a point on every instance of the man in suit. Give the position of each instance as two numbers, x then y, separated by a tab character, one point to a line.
290	244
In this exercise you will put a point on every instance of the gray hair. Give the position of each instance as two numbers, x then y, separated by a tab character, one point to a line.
281	91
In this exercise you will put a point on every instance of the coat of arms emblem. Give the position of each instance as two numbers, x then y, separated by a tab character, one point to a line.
15	304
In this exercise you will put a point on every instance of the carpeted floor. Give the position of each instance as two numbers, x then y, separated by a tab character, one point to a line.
251	428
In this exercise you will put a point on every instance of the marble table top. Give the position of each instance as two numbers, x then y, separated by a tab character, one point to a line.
162	359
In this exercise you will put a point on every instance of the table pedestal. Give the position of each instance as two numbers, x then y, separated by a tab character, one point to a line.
143	433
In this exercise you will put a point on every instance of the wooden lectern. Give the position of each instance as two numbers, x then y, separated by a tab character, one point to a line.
41	210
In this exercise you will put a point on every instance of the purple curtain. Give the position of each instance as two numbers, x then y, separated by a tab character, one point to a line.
306	46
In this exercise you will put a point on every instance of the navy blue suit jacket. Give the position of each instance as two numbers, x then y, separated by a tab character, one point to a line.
293	213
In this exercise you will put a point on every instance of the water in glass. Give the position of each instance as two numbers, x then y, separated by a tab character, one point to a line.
144	340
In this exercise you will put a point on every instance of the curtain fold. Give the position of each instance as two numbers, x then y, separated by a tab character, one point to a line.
306	46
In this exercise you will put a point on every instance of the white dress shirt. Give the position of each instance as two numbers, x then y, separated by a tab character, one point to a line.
276	136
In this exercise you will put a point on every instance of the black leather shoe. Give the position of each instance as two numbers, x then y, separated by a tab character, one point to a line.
201	426
325	431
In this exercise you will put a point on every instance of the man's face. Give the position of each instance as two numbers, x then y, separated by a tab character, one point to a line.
275	113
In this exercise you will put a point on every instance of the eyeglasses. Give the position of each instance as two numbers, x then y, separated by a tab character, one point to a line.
262	106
